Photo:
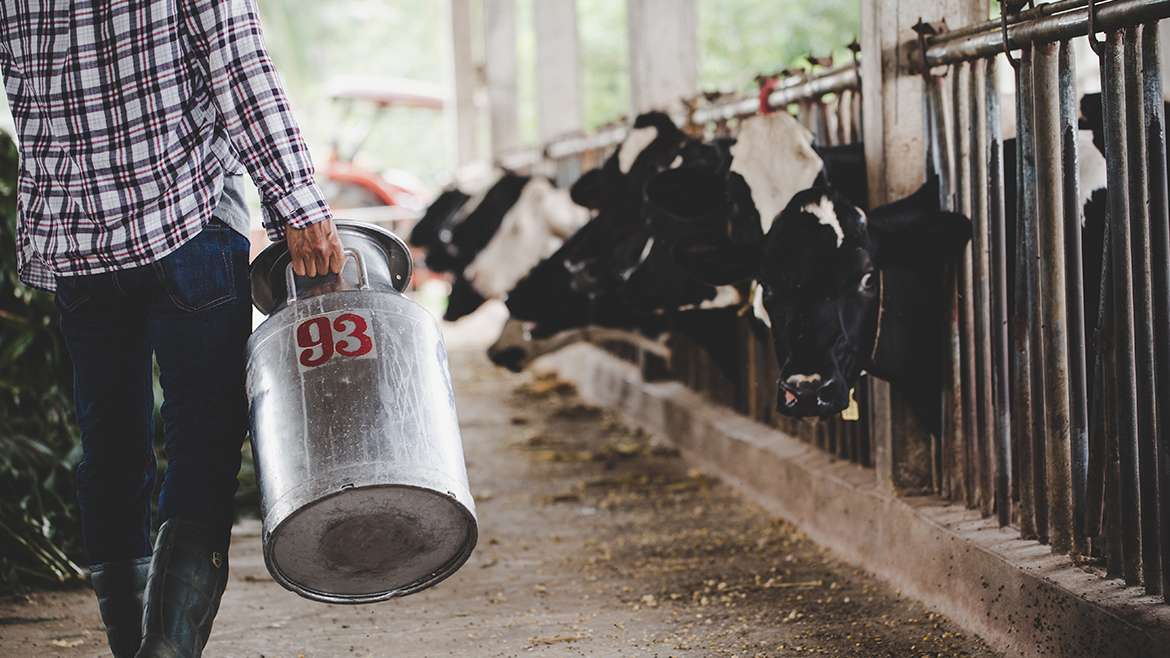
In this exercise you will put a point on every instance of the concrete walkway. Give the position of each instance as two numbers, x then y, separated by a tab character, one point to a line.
594	541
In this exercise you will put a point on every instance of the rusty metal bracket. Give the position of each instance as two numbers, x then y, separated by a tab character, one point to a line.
1094	43
923	30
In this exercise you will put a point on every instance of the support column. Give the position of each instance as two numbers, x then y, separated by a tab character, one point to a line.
558	68
895	155
464	80
664	53
500	73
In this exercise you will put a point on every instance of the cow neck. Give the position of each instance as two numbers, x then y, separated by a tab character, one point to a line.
896	336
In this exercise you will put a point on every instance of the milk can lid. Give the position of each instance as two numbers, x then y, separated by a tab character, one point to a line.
383	251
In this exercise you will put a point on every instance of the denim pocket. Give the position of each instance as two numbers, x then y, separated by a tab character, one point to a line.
200	275
71	293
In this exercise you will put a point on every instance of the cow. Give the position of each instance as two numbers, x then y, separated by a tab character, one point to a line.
848	291
621	269
488	240
540	220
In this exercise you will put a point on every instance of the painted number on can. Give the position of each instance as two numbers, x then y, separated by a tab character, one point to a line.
321	338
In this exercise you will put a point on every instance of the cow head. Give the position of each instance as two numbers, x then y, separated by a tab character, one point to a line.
830	276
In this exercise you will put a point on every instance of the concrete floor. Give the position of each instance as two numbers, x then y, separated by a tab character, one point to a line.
594	540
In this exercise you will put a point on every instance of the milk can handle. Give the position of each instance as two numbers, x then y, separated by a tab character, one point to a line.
363	276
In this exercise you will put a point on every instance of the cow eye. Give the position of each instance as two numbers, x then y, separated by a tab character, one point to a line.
868	281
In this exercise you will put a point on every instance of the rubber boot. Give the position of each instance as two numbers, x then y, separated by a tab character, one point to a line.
119	587
187	577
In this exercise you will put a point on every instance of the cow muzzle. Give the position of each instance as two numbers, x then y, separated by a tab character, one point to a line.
811	395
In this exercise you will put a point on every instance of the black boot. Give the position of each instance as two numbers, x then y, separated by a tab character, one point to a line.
187	578
119	587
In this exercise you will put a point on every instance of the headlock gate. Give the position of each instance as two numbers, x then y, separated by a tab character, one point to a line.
1052	422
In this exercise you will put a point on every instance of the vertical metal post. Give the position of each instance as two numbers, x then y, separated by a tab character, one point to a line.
1048	232
1074	296
981	285
998	302
1155	133
1117	159
956	486
963	204
1025	398
1143	311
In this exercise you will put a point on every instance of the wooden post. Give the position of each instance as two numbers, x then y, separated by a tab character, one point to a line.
465	80
558	68
664	53
895	154
500	73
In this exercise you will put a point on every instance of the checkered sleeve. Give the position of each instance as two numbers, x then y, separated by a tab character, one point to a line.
249	95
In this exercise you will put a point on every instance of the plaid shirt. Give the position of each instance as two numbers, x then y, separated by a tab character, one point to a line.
129	115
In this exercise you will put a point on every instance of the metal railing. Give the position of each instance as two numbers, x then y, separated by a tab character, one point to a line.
1053	423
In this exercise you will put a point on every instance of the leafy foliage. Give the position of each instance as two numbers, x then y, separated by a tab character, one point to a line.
38	439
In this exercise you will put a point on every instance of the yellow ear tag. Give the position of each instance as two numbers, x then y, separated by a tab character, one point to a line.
852	413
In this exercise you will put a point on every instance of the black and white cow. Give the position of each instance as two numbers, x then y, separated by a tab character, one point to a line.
658	191
848	293
487	240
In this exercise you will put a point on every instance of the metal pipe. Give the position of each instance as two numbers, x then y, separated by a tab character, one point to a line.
1000	352
1117	161
1074	297
939	162
945	49
1155	133
1039	11
1049	231
1023	430
984	439
1143	311
964	194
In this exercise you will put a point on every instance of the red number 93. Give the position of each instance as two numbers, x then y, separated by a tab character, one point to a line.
315	338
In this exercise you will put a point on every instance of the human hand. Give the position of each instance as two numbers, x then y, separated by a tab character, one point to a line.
315	250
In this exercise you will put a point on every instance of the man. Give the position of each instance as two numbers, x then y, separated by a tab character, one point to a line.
136	121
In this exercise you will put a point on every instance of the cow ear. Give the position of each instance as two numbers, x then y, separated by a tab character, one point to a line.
718	264
924	240
587	191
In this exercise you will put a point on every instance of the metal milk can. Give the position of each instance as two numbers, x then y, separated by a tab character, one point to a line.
363	486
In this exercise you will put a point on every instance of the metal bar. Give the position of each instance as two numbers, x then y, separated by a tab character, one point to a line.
793	90
981	285
1000	352
1049	229
1143	311
1117	159
1039	11
1074	297
1031	525
963	204
1155	133
939	162
945	49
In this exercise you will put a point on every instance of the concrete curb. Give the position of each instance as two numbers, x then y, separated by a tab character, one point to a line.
1014	593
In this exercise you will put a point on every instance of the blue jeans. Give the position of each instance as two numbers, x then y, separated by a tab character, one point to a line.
192	311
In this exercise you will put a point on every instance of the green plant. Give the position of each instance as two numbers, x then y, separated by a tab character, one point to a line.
38	439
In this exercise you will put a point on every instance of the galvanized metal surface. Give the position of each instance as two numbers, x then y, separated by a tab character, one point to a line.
1052	288
981	283
947	49
1155	136
1000	349
363	487
388	262
1144	357
1124	392
1074	296
1027	400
